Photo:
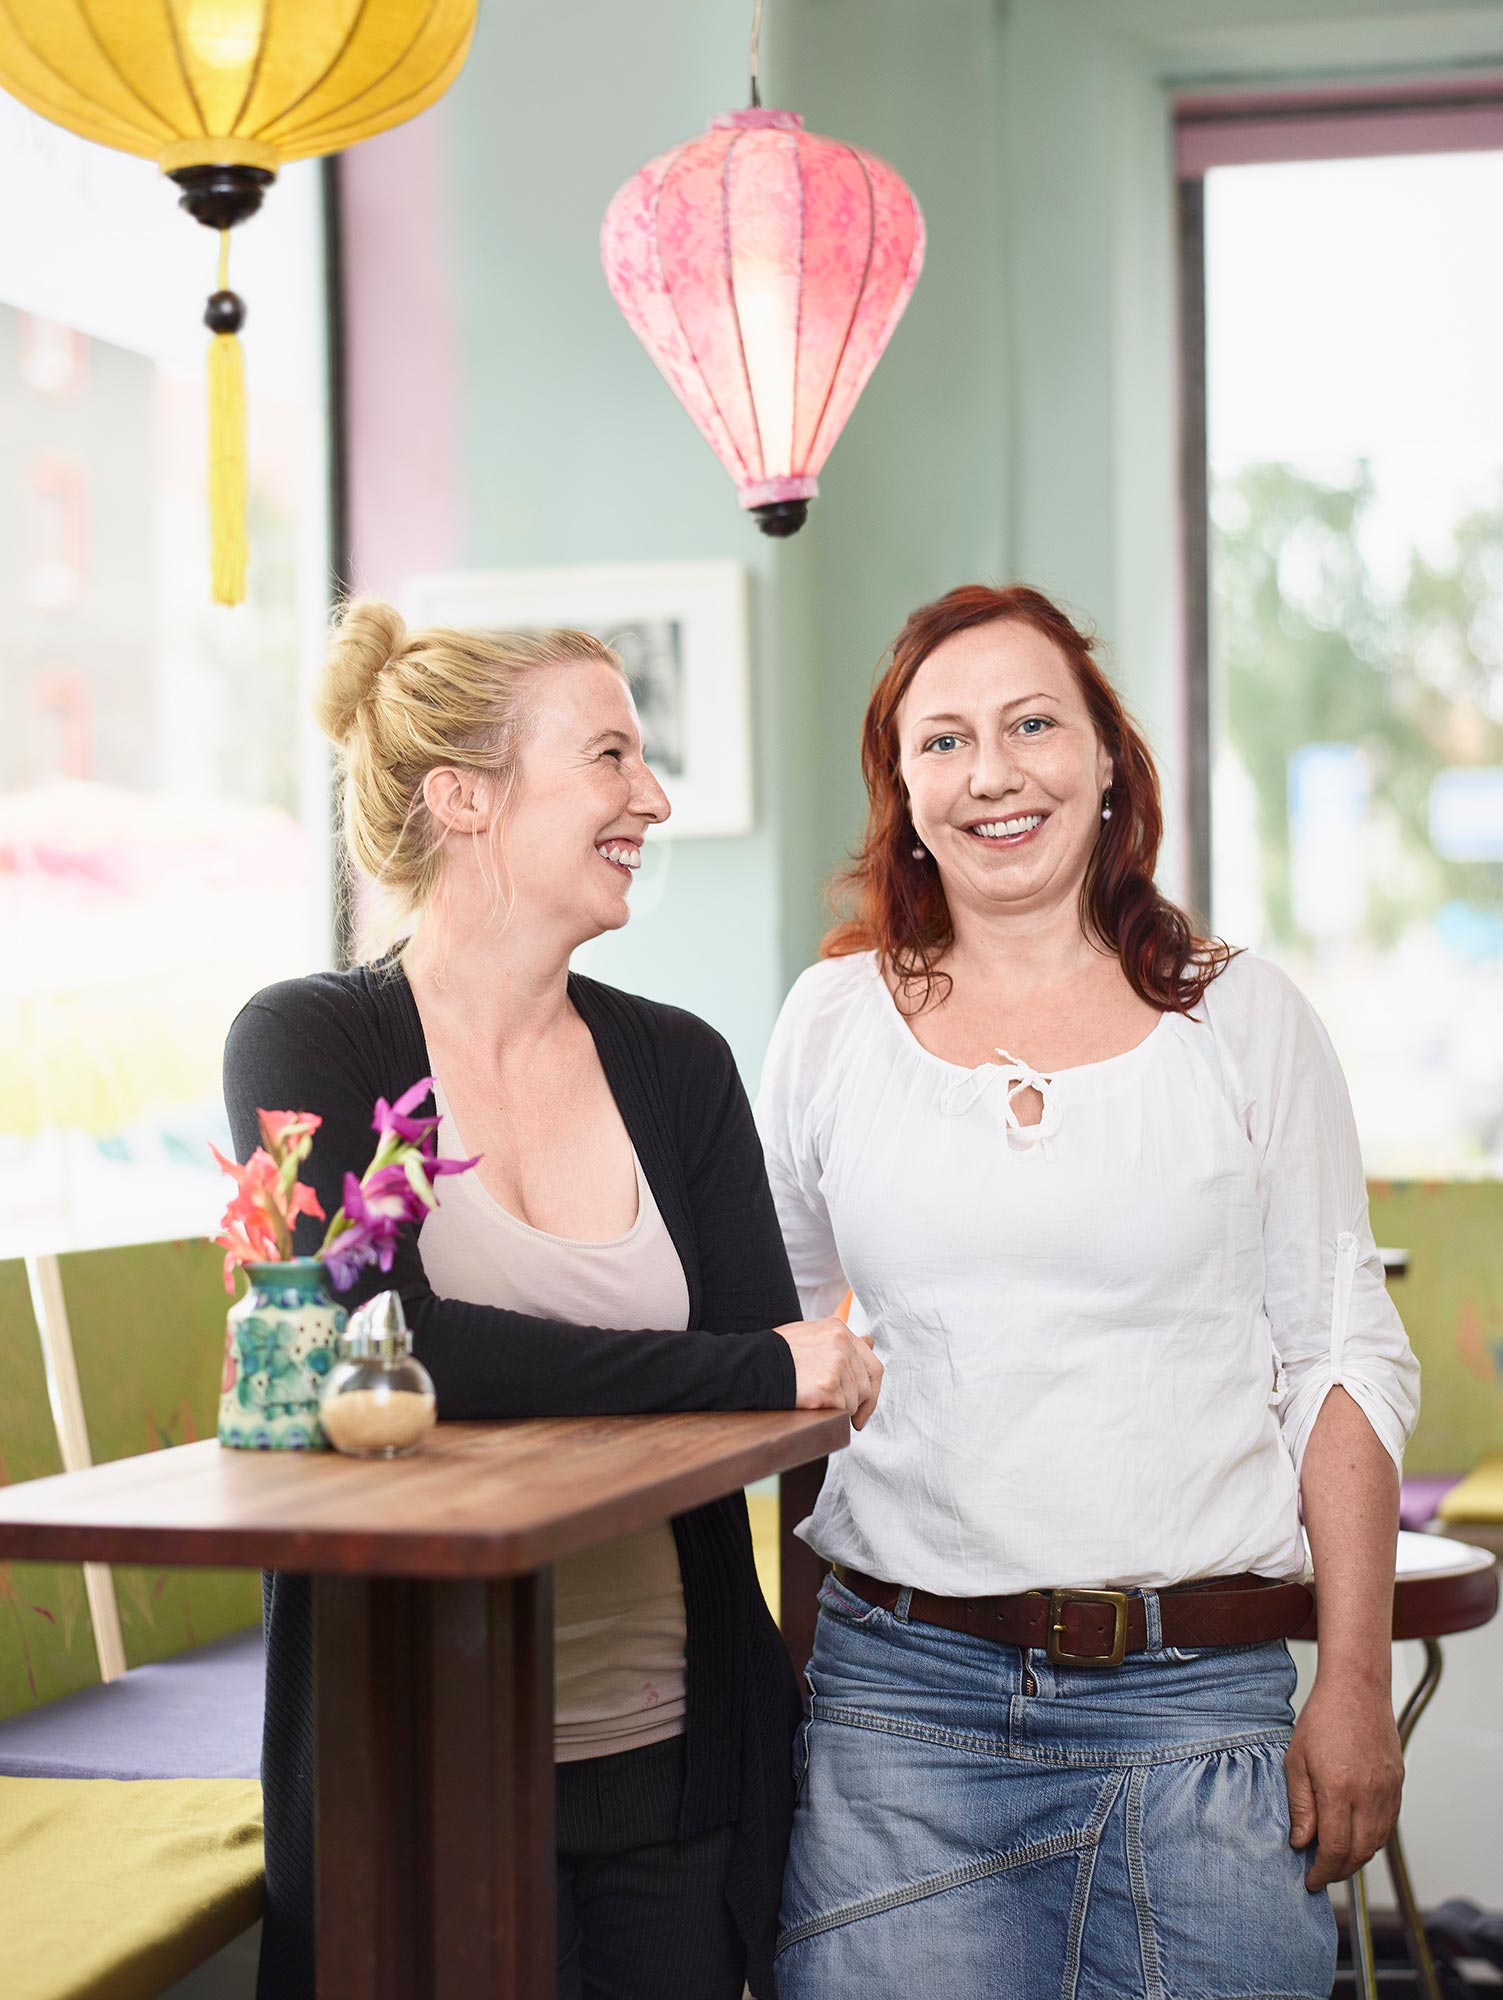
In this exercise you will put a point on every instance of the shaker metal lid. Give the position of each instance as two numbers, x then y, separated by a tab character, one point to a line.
377	1330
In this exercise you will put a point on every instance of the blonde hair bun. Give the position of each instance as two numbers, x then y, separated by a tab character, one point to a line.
366	636
400	704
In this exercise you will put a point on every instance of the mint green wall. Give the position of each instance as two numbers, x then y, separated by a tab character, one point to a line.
912	500
575	451
1021	425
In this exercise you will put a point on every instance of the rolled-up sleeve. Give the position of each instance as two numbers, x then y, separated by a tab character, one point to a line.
1329	1311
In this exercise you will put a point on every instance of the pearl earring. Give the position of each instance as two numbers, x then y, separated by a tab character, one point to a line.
921	853
1106	811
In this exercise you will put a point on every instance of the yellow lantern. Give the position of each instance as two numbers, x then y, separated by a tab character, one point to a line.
220	93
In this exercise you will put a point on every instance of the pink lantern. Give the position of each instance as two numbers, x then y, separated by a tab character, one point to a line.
764	268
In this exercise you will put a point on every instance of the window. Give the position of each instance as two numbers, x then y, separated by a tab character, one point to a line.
164	803
1352	719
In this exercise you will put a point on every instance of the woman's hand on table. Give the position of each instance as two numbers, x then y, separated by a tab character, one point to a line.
1345	1773
836	1368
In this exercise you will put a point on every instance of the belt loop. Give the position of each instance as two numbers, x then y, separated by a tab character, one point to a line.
1153	1635
905	1598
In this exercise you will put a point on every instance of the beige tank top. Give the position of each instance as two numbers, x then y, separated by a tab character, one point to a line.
619	1607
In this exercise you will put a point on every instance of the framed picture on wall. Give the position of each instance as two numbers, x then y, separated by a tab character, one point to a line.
680	629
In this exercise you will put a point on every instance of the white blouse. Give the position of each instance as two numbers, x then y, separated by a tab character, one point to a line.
1106	1336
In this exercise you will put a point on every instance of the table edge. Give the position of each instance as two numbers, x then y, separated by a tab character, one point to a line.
345	1551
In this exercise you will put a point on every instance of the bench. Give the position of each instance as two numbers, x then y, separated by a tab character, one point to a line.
130	1700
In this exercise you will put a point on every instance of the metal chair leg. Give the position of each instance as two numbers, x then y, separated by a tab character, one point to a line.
1421	1693
1360	1929
1418	1945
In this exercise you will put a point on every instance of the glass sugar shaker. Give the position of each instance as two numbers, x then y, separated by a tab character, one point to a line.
378	1399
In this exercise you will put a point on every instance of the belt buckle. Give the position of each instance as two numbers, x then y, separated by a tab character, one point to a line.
1058	1599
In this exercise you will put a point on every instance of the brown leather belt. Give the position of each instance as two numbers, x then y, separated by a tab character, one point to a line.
1095	1628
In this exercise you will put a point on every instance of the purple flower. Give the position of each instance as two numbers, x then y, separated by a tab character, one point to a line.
394	1117
373	1215
346	1257
383	1202
397	1189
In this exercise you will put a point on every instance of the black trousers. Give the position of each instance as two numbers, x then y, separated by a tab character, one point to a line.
642	1914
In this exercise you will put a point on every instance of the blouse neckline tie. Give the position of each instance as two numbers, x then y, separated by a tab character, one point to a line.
961	1093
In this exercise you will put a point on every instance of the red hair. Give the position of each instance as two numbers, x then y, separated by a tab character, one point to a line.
898	903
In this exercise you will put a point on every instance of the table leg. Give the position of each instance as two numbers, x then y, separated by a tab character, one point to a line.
491	1790
366	1837
434	1785
1410	1916
800	1570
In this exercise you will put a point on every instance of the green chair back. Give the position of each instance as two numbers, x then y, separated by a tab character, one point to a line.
147	1323
1451	1303
46	1635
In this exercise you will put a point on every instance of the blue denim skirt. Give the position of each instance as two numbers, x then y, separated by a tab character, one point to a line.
973	1821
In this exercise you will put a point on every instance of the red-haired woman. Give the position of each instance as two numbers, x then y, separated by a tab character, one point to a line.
1096	1186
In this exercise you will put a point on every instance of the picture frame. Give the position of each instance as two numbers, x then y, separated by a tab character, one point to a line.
681	629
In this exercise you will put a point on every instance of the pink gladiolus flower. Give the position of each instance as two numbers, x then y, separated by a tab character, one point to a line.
257	1225
259	1182
303	1202
256	1185
247	1239
280	1129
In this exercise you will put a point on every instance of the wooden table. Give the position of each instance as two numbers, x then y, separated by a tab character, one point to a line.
433	1648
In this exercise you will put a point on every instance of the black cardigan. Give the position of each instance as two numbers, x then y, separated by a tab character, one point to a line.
333	1043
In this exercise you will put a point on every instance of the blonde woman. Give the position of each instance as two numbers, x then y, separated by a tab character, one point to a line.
616	1250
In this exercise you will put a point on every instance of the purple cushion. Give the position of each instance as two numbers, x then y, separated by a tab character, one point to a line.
197	1715
1421	1494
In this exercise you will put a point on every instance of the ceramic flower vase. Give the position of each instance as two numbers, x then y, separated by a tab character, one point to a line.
279	1345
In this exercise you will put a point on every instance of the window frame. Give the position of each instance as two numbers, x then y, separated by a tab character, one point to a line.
1267	128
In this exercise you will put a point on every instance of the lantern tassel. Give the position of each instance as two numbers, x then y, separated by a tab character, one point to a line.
224	316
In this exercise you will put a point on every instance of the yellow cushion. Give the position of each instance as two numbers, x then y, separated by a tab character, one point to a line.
111	1891
1478	1497
763	1509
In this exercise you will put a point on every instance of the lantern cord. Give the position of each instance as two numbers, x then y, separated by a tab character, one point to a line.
227	475
756	36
